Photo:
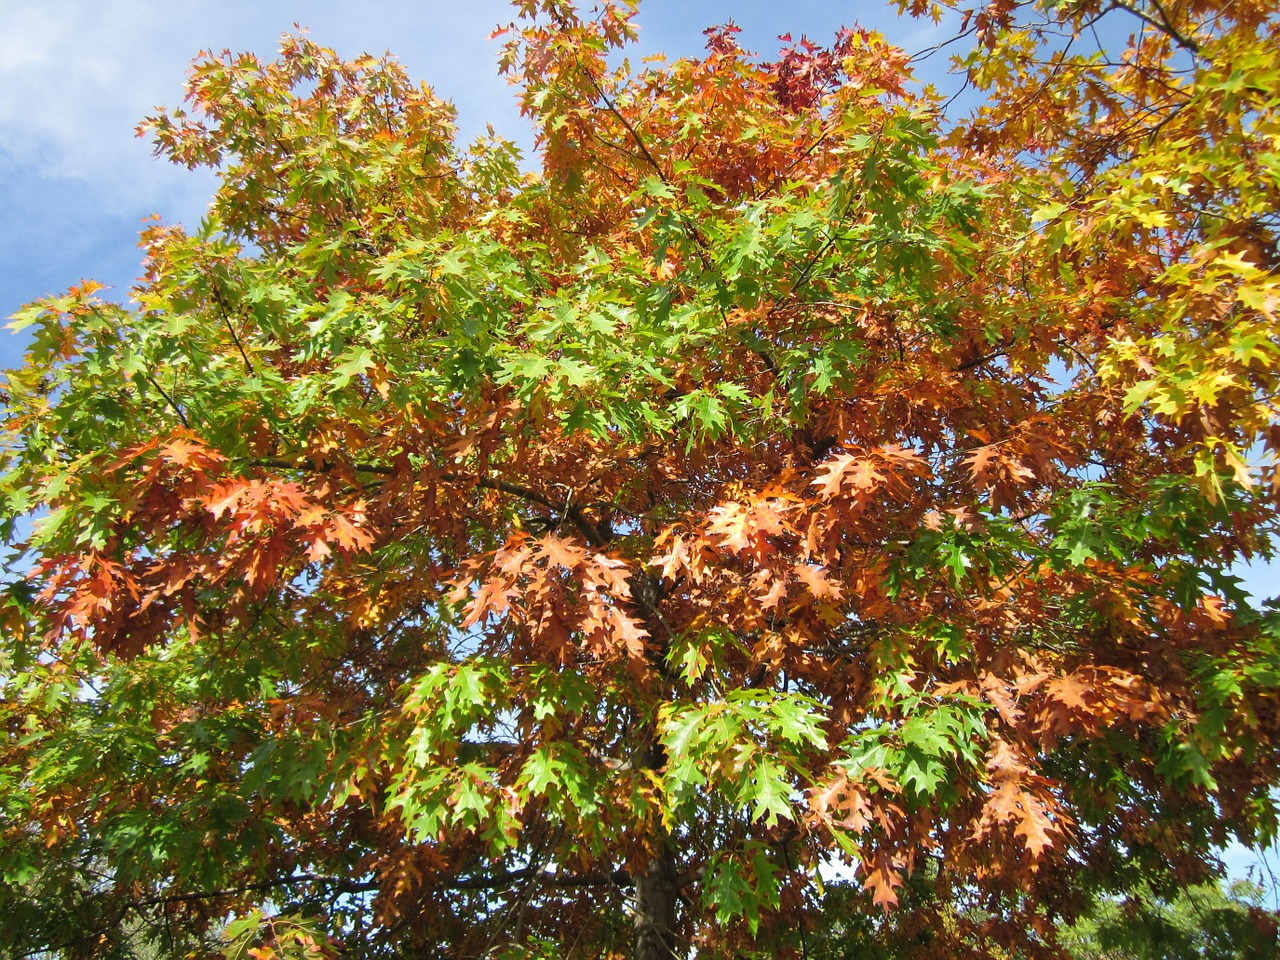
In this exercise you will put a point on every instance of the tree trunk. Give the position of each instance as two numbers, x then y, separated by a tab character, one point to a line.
656	908
656	891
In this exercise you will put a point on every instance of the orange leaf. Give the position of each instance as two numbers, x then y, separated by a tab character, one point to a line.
1035	828
627	633
815	578
830	477
494	597
561	552
883	882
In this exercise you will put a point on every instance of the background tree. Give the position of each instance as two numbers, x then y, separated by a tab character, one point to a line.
1204	922
1197	922
447	558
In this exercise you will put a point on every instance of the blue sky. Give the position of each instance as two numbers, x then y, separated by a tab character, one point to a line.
76	77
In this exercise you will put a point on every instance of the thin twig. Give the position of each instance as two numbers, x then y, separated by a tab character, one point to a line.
1163	24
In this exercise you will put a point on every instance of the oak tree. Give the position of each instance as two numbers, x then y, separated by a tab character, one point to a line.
783	475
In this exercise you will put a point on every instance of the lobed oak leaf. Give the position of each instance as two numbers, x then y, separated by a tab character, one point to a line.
864	475
1003	804
843	803
830	479
627	633
1215	610
349	537
181	451
317	548
1035	827
461	584
818	583
310	515
774	589
262	563
997	471
998	695
225	497
283	498
883	882
1005	761
981	461
1028	683
823	798
555	635
493	597
605	574
675	560
1070	691
514	556
729	522
561	551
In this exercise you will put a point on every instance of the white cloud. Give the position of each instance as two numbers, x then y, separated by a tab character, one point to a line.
77	77
62	88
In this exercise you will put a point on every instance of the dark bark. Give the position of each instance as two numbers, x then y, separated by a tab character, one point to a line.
656	891
656	908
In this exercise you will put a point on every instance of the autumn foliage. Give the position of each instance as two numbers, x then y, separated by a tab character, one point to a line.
783	474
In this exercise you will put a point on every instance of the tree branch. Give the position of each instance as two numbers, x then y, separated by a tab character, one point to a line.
1163	24
635	134
566	509
169	400
226	319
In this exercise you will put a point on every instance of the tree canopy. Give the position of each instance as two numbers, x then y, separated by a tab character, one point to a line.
1203	922
784	474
